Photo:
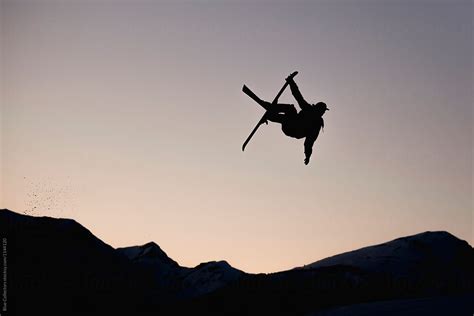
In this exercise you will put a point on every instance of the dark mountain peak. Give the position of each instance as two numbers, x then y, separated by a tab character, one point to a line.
6	212
440	240
149	252
14	223
209	276
59	258
431	236
152	250
11	218
150	244
221	264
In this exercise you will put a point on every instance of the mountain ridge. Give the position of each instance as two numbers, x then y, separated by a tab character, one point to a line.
411	246
60	258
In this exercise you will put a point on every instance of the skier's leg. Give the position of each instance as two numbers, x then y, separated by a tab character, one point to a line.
280	112
288	109
275	117
265	104
250	93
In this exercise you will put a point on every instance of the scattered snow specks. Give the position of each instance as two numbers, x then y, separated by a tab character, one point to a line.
49	197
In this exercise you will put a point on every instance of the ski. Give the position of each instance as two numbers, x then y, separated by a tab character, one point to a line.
252	95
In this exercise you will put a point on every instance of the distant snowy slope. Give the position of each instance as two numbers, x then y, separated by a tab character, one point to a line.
202	279
149	252
407	255
210	276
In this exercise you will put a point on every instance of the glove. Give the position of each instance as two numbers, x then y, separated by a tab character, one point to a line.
306	160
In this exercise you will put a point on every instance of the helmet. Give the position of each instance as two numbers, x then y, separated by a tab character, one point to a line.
321	106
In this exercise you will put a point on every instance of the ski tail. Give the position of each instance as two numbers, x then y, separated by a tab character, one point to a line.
250	93
262	120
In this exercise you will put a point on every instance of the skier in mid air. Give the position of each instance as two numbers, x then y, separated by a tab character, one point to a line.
303	124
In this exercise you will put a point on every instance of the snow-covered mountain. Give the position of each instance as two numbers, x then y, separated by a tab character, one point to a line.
57	266
148	253
210	276
202	279
409	257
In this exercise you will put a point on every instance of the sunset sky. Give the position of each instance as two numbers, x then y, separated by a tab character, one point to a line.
128	116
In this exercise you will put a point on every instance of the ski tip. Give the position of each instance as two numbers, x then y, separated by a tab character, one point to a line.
294	73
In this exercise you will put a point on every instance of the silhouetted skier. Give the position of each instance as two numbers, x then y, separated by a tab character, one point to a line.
303	124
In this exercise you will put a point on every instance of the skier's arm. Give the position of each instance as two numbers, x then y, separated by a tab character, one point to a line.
297	94
308	148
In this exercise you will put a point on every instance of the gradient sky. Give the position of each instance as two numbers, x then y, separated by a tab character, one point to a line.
129	118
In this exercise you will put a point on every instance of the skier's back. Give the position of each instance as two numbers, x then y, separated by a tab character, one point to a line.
306	123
